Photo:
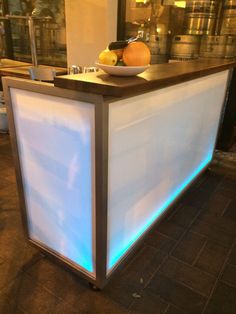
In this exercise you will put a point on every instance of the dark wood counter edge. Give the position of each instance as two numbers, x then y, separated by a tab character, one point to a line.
143	86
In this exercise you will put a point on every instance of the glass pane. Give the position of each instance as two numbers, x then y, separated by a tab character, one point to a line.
50	34
183	30
55	139
143	175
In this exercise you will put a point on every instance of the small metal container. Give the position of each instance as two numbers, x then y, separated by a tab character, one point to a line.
75	69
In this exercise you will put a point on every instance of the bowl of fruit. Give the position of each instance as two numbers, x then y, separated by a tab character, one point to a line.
124	58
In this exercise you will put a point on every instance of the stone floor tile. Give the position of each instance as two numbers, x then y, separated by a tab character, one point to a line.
140	270
9	245
230	211
26	294
189	247
63	282
177	294
142	258
212	258
8	191
225	172
228	184
223	300
211	182
220	213
9	174
10	204
88	302
232	258
43	270
215	207
3	182
8	305
14	265
213	233
160	241
227	192
197	199
223	223
229	275
174	310
11	219
170	229
148	304
188	275
184	215
121	290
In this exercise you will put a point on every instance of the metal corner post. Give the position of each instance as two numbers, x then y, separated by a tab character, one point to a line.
101	183
32	41
15	152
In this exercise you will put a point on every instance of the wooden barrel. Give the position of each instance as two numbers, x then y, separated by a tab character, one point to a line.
213	46
185	47
200	17
159	47
229	18
230	49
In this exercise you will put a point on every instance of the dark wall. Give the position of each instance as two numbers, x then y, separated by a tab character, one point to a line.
227	134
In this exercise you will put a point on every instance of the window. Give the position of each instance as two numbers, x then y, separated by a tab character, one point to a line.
49	25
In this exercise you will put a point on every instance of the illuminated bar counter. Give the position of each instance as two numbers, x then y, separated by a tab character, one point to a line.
100	159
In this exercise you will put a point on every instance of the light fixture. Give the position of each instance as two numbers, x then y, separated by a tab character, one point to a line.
180	4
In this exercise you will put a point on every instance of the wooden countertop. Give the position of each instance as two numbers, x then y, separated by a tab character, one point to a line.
23	70
156	77
9	63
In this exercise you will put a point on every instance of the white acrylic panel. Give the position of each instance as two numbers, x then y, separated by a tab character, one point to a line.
158	143
55	139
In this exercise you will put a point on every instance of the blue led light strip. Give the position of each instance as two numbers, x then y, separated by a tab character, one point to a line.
114	259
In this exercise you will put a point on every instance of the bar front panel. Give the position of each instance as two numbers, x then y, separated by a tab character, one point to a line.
55	138
158	143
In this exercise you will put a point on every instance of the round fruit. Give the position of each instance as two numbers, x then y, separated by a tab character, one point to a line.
120	63
136	53
119	53
107	57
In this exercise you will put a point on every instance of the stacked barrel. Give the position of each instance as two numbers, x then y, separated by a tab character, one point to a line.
229	18
201	37
200	17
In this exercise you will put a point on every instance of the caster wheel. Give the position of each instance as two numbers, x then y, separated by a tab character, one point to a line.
93	287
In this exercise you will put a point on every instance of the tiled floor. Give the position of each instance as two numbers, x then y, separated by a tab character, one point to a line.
186	265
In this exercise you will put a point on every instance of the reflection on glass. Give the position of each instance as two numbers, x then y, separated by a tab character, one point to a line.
180	30
50	33
2	46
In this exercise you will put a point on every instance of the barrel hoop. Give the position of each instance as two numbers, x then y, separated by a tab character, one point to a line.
229	7
184	43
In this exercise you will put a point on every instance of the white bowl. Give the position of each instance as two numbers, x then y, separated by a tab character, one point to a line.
122	70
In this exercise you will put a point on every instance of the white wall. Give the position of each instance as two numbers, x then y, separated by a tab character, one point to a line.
90	26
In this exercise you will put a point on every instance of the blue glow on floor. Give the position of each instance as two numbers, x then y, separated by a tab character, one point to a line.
114	259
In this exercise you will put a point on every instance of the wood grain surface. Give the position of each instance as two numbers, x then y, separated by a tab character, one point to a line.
156	77
23	71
